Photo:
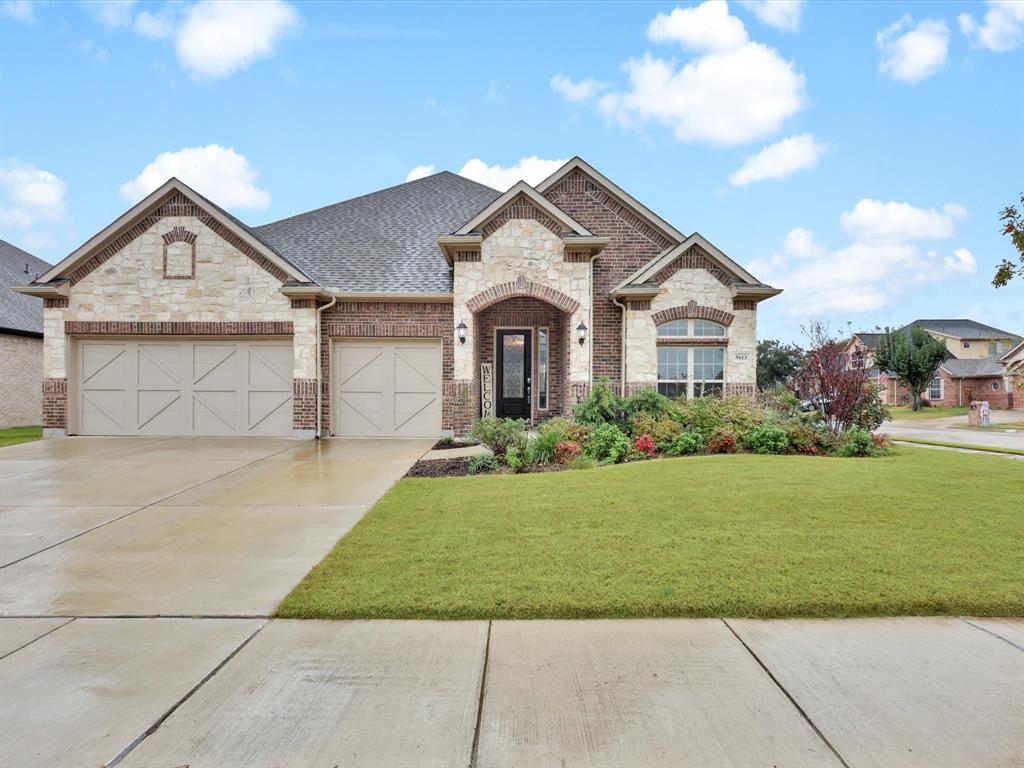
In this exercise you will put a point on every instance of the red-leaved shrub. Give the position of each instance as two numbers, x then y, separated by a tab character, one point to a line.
881	440
722	441
645	444
566	451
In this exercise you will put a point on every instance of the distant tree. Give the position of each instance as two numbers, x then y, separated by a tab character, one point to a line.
913	359
1014	227
777	363
835	382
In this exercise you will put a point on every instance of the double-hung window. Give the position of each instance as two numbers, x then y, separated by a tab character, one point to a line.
686	369
935	388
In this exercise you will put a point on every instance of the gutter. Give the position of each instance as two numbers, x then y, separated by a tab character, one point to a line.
320	365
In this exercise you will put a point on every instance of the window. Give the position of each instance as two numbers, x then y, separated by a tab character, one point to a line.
674	328
707	328
967	345
995	386
691	371
935	388
542	369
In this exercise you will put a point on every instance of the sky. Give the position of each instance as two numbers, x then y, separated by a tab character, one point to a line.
856	155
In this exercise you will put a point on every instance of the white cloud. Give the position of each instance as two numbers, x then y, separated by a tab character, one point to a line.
112	14
866	274
704	27
729	97
532	170
877	222
915	54
779	160
420	171
30	195
1002	28
220	37
89	48
217	172
156	26
19	10
576	92
781	14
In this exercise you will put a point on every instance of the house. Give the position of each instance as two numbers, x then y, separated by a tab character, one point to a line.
417	308
983	365
21	340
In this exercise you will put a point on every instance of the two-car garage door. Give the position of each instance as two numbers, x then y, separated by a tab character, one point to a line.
182	387
387	387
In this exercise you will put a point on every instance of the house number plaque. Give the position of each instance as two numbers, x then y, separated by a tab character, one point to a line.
486	389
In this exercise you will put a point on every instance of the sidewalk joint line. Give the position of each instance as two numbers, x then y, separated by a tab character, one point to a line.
48	632
195	688
786	693
970	623
474	751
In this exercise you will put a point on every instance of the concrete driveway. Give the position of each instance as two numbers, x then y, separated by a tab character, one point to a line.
179	526
952	430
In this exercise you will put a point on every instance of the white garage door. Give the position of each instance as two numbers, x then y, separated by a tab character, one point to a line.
387	388
183	387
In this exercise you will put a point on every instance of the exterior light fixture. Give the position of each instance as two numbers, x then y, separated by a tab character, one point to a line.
581	331
460	331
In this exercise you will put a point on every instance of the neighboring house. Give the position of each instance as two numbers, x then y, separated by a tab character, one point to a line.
21	340
417	307
980	365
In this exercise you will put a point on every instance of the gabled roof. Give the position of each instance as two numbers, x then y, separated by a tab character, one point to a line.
964	329
524	189
18	313
385	241
973	369
1012	352
152	201
869	340
578	163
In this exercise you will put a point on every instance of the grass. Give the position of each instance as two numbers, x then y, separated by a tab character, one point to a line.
998	426
904	413
918	532
15	435
967	446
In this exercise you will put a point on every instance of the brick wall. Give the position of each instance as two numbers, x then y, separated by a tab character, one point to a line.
304	404
55	403
632	244
530	313
21	374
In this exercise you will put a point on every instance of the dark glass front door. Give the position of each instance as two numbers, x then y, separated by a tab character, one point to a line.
512	374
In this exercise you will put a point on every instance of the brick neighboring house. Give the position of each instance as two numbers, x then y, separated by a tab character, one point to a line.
21	340
180	319
983	365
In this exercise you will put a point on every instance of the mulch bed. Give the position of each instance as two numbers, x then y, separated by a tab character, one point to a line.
447	443
460	468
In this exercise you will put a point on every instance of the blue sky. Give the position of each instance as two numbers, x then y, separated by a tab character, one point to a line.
855	154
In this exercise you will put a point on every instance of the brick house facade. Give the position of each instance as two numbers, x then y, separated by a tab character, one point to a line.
406	312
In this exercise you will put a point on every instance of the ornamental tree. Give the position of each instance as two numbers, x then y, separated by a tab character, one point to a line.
913	359
836	383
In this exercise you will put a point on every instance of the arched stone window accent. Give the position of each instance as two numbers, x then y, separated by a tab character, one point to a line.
179	260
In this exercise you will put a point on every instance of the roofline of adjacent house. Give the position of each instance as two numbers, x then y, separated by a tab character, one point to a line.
522	188
20	332
953	375
151	202
1012	350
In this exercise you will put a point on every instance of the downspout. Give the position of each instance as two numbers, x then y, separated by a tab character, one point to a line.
622	367
590	317
320	364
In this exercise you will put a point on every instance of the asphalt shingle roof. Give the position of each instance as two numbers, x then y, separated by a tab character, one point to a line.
869	340
986	366
383	242
18	312
962	329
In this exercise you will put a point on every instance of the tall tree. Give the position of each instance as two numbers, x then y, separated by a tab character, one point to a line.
1014	227
838	384
912	358
777	363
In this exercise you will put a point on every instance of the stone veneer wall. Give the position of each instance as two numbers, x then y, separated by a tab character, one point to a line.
633	244
521	248
530	313
21	376
703	288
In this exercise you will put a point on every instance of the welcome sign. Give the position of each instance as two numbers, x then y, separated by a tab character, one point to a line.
486	389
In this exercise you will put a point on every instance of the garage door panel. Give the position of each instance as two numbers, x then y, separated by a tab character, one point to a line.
184	387
388	388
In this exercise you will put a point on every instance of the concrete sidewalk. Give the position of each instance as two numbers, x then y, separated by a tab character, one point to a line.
948	430
674	692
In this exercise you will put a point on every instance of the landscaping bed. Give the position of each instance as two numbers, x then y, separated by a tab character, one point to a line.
917	532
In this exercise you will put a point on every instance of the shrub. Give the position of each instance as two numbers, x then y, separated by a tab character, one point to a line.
872	412
485	462
882	442
706	413
566	451
515	460
608	444
497	434
662	429
601	406
648	401
766	438
809	439
722	440
541	450
857	442
567	429
582	462
781	401
645	444
686	443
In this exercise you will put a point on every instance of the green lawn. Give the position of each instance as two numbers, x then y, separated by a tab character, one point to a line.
919	532
15	435
998	426
904	412
968	446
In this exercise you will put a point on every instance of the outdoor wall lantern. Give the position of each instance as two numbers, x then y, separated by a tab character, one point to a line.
581	330
460	331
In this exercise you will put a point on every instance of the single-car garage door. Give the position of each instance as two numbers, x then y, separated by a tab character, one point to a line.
183	387
387	388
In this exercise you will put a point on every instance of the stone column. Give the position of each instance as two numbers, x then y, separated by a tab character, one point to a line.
304	319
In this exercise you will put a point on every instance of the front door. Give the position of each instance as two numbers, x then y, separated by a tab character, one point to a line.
512	363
